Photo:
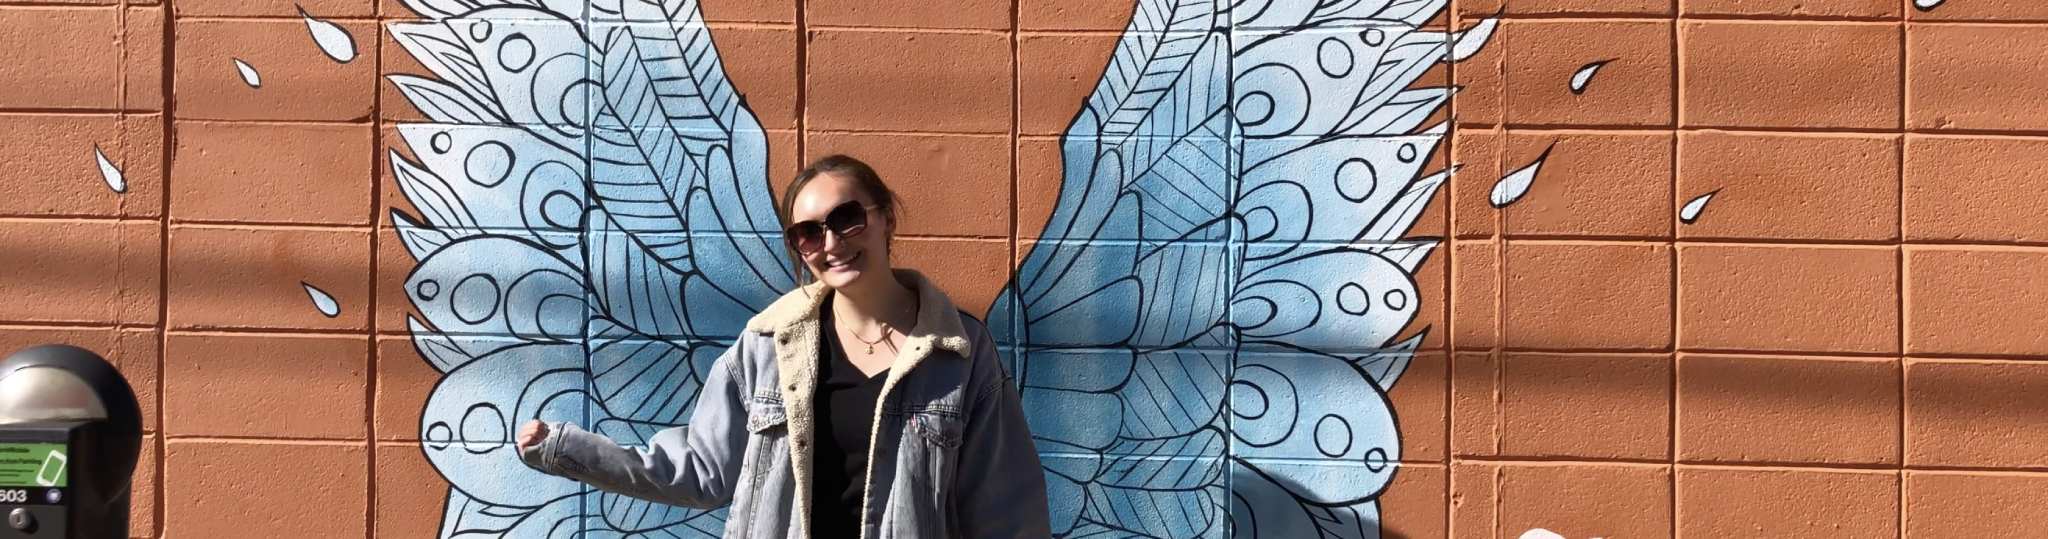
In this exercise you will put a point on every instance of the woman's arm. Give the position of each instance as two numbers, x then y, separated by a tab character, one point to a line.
692	466
1001	485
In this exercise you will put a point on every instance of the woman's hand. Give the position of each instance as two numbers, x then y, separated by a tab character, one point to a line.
532	433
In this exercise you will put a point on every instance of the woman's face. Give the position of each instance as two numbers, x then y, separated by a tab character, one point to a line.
842	261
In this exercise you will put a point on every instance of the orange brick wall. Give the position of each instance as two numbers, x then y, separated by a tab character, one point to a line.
1847	343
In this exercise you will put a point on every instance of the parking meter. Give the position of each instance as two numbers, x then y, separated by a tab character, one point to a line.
70	432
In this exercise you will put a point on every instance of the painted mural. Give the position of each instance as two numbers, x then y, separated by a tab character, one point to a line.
1204	339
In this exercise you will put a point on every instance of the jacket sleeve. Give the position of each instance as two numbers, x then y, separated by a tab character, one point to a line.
1000	483
696	465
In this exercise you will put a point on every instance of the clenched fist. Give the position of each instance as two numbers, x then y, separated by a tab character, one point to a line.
532	433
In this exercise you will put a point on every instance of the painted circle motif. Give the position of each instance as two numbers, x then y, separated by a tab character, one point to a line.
1333	436
475	299
1254	108
1356	179
516	53
1376	459
442	142
1335	57
488	164
427	290
1373	36
485	424
1353	299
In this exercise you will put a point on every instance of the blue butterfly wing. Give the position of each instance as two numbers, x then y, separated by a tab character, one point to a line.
1230	236
623	220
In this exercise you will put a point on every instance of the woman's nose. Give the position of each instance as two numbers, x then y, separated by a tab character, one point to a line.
832	240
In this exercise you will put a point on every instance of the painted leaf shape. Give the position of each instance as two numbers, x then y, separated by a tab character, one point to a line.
249	75
109	172
333	41
1584	76
1511	187
322	301
1692	209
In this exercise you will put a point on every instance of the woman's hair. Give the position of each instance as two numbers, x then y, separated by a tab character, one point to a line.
863	178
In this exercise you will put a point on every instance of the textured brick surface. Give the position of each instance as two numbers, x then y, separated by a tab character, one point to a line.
1719	502
266	172
1975	77
1791	8
1524	79
266	386
57	150
1585	406
255	278
68	271
1779	409
1790	74
1587	295
1793	299
298	81
326	486
1940	504
1976	301
1791	186
902	81
1575	500
1974	189
1977	414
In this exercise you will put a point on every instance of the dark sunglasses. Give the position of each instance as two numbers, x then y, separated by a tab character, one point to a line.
847	220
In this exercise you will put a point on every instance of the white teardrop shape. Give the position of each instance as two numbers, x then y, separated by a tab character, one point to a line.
1540	533
1585	76
332	39
1511	187
1692	209
1927	5
1467	43
322	301
112	174
249	75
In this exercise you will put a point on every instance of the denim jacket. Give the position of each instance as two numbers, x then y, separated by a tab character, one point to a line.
950	456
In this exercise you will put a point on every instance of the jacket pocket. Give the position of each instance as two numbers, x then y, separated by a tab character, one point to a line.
929	465
938	428
767	428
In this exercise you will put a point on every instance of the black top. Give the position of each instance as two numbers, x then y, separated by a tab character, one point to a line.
846	413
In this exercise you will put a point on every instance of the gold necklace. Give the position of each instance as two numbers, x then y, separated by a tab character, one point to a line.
878	340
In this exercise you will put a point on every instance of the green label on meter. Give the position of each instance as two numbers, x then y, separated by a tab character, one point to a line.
32	465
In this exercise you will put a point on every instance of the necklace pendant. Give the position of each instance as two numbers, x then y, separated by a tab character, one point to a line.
871	348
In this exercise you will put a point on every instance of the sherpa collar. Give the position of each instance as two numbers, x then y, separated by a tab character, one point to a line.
938	321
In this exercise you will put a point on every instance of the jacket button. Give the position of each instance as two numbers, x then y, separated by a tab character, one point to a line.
792	387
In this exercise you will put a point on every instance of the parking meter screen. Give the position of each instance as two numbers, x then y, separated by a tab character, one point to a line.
33	465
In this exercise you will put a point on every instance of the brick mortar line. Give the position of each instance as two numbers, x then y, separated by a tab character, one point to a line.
1601	129
1647	463
168	143
1899	258
1450	313
370	380
1671	255
1929	245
